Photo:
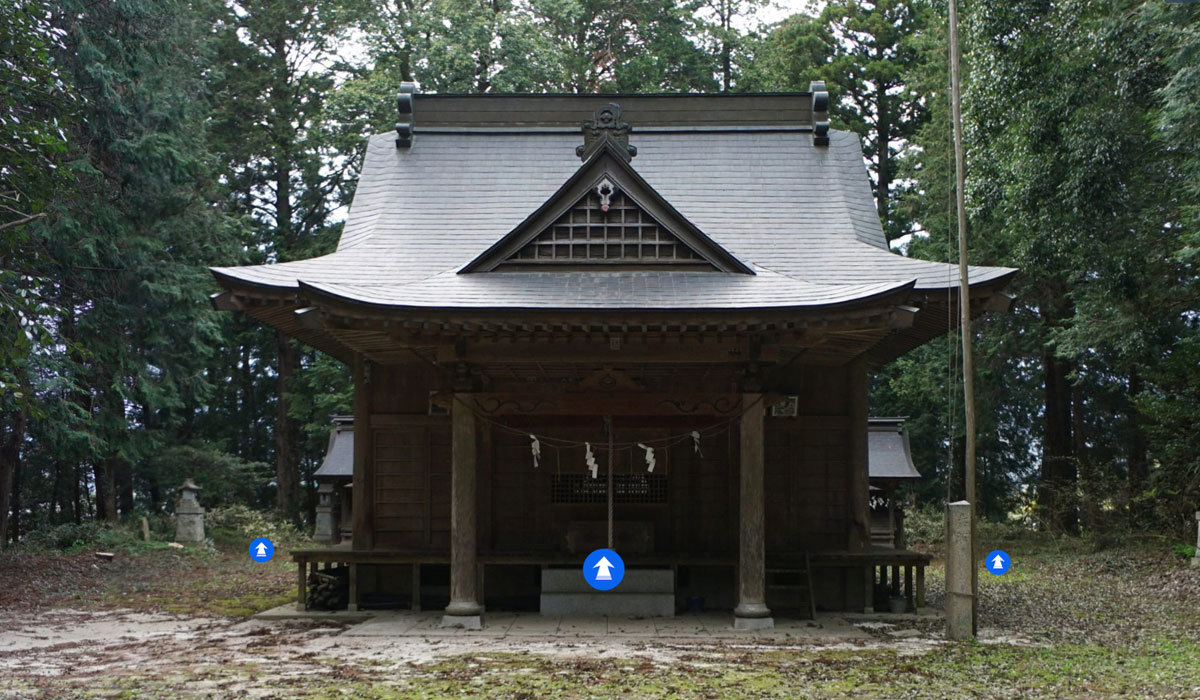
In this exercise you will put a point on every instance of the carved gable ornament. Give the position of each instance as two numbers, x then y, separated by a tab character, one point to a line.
606	126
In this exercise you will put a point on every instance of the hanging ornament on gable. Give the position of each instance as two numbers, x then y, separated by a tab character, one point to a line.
605	189
650	462
696	442
536	448
591	460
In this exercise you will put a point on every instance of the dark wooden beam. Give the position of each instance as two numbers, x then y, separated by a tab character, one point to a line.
593	404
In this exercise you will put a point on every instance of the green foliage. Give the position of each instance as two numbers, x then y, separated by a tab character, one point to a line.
145	140
871	56
89	535
1184	551
925	526
224	478
238	523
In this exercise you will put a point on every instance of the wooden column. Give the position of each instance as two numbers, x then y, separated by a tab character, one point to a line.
751	612
363	537
859	535
302	586
858	531
464	609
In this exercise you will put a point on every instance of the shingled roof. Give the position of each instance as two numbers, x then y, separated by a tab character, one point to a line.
798	216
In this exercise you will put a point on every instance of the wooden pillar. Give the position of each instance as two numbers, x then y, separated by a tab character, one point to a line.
416	587
362	491
920	592
751	612
352	604
859	536
909	595
301	585
858	531
464	609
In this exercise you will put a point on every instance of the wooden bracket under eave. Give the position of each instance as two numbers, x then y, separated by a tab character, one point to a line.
903	317
1000	301
309	318
224	301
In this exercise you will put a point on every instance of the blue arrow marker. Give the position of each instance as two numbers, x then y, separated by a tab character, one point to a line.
997	562
261	549
603	569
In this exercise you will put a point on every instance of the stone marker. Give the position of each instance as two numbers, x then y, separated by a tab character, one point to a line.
1196	557
189	515
960	565
145	530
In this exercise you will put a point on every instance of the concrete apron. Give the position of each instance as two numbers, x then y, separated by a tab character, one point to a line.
502	625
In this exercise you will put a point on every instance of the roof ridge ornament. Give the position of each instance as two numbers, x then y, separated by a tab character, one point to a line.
820	112
606	126
405	117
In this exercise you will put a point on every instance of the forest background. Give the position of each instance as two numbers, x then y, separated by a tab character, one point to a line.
142	141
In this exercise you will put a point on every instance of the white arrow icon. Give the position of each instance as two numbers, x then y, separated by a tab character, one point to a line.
604	565
261	550
998	562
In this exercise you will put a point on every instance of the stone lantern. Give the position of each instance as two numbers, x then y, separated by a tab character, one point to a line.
189	514
324	527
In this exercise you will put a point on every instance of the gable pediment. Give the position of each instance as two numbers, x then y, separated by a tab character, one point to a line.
606	216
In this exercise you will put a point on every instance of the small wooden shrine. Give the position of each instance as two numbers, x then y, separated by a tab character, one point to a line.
644	320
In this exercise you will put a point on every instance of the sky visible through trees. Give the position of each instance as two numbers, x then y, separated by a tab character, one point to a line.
142	141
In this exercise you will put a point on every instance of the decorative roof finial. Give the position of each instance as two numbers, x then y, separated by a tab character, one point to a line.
820	112
405	118
606	126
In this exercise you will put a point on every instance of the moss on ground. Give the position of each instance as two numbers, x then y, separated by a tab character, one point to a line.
1123	622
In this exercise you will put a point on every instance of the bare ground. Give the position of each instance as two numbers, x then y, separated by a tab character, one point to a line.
1066	622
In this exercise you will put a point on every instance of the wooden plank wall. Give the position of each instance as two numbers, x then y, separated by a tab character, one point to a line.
410	451
806	483
807	463
412	487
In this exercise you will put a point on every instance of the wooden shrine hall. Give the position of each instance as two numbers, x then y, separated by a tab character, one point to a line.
644	321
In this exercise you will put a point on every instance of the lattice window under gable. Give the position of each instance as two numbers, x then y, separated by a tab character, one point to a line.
621	234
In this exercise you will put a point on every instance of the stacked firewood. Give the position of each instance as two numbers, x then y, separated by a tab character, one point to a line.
329	589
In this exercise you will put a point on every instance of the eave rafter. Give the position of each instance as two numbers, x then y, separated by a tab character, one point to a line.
881	327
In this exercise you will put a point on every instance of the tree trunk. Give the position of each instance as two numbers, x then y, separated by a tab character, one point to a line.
57	500
1055	493
1088	481
246	410
726	52
77	494
10	456
1139	461
124	483
14	529
106	489
287	472
882	144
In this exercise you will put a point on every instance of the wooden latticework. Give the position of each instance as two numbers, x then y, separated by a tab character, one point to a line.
644	489
623	235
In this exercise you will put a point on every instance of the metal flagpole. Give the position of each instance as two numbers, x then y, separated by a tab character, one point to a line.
964	305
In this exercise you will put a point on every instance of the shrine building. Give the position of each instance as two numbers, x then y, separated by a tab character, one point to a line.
643	322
